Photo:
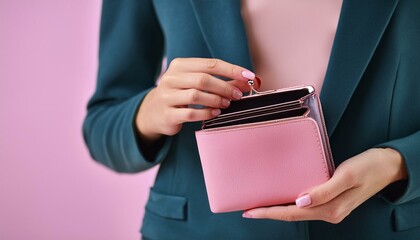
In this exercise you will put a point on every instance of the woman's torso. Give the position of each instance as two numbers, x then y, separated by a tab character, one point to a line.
178	207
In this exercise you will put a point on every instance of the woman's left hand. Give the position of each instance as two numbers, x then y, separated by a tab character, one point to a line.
354	181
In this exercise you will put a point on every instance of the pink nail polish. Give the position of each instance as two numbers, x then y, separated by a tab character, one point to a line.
248	74
303	201
246	215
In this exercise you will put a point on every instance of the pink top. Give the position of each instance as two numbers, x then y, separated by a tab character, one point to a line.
290	40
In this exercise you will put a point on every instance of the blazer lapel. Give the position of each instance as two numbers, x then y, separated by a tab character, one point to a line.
223	29
361	26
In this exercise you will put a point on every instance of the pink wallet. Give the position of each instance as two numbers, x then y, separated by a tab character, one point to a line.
264	150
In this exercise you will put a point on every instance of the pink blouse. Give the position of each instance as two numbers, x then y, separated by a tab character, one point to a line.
290	40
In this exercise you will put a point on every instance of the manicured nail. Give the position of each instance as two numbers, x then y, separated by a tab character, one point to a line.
303	201
237	94
258	79
248	74
215	112
225	102
246	215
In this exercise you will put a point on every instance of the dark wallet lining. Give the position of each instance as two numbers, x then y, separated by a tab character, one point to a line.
258	108
265	100
254	112
259	118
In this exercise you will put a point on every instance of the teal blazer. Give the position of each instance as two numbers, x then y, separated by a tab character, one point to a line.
370	99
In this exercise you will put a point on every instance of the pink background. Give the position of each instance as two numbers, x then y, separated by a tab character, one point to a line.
49	186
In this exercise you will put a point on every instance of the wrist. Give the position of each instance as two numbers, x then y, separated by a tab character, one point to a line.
143	130
397	170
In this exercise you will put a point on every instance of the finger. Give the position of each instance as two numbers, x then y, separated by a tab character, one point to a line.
211	66
341	181
194	96
333	212
182	115
289	213
208	83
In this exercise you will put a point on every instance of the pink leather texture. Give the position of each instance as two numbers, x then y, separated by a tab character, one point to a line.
261	164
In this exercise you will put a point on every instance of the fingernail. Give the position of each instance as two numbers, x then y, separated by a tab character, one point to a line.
303	201
258	79
248	74
237	94
215	112
246	215
225	102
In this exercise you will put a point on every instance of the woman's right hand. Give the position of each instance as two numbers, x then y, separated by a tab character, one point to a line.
190	81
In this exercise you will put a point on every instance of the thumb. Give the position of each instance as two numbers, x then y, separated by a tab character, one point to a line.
324	193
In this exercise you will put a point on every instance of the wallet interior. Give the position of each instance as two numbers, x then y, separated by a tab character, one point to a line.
262	107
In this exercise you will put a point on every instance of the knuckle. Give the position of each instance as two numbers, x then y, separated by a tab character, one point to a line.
337	220
334	215
349	178
232	70
164	79
175	63
172	130
326	195
168	131
202	81
228	90
167	81
212	63
193	96
207	115
189	115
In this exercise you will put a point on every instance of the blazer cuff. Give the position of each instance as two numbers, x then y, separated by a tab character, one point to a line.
153	156
112	138
406	190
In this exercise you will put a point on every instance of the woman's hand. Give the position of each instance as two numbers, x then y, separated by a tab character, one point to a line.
190	81
355	180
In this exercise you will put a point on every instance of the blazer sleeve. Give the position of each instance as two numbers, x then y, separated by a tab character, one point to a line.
130	57
409	148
